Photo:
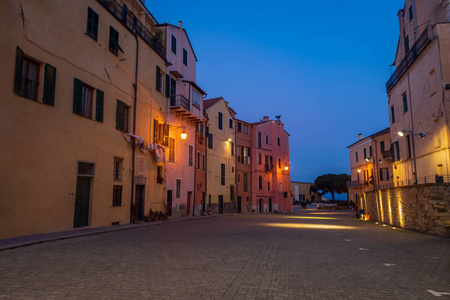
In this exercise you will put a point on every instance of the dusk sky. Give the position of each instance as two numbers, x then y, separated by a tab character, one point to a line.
321	65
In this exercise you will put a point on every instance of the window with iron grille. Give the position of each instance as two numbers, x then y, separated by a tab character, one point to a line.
117	195
118	168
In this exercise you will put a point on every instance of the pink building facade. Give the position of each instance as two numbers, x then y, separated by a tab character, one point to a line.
185	124
271	180
245	151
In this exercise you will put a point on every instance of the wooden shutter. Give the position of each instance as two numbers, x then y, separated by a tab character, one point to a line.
158	78
78	97
18	71
99	106
173	86
49	85
166	135
167	85
155	131
120	115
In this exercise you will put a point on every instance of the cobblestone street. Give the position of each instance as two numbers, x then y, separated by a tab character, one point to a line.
305	255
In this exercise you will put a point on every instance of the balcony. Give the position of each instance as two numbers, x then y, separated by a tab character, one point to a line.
424	39
387	154
353	184
181	106
268	168
130	21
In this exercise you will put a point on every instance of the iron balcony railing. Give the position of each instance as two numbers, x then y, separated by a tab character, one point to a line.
351	184
129	20
179	101
423	40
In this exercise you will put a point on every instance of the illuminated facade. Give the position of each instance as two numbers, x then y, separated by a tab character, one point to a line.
245	154
78	106
185	175
271	178
370	164
419	94
221	189
300	191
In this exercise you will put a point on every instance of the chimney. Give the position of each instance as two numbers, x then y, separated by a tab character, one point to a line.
265	119
278	118
180	24
359	136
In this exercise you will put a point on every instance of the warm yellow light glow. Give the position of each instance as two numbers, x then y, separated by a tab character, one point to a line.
400	133
229	140
183	135
318	218
359	170
400	212
286	168
308	226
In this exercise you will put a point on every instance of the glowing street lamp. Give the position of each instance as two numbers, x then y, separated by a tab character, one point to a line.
422	136
183	135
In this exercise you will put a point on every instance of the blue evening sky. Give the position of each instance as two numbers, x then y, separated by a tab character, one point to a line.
321	65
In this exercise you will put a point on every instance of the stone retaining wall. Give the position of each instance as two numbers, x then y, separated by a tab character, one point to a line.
423	208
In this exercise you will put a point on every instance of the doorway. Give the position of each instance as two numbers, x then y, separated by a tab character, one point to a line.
139	201
169	202
270	204
239	205
81	215
220	204
189	200
260	205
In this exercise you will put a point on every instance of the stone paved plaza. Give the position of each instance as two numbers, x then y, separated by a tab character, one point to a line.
304	255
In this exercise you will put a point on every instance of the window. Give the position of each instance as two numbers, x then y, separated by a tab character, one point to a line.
278	141
171	150
114	46
260	182
82	102
222	174
232	148
268	185
174	44
392	115
397	150
99	106
259	158
117	195
178	189
370	151
245	155
432	82
365	153
230	123
245	129
118	168
382	146
259	139
198	160
159	79
155	131
411	13
196	98
279	163
159	174
210	140
191	154
405	103
92	24
122	116
267	139
239	126
356	156
245	178
220	121
203	162
185	55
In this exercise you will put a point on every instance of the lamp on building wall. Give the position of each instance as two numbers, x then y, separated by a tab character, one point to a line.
229	139
422	136
183	133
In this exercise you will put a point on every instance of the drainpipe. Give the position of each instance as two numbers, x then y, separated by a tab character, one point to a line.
133	143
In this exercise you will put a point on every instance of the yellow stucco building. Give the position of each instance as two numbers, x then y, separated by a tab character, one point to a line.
221	190
78	104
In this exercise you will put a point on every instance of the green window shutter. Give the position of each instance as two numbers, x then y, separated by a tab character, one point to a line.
158	78
18	71
49	85
99	106
120	116
92	24
78	97
167	85
173	86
